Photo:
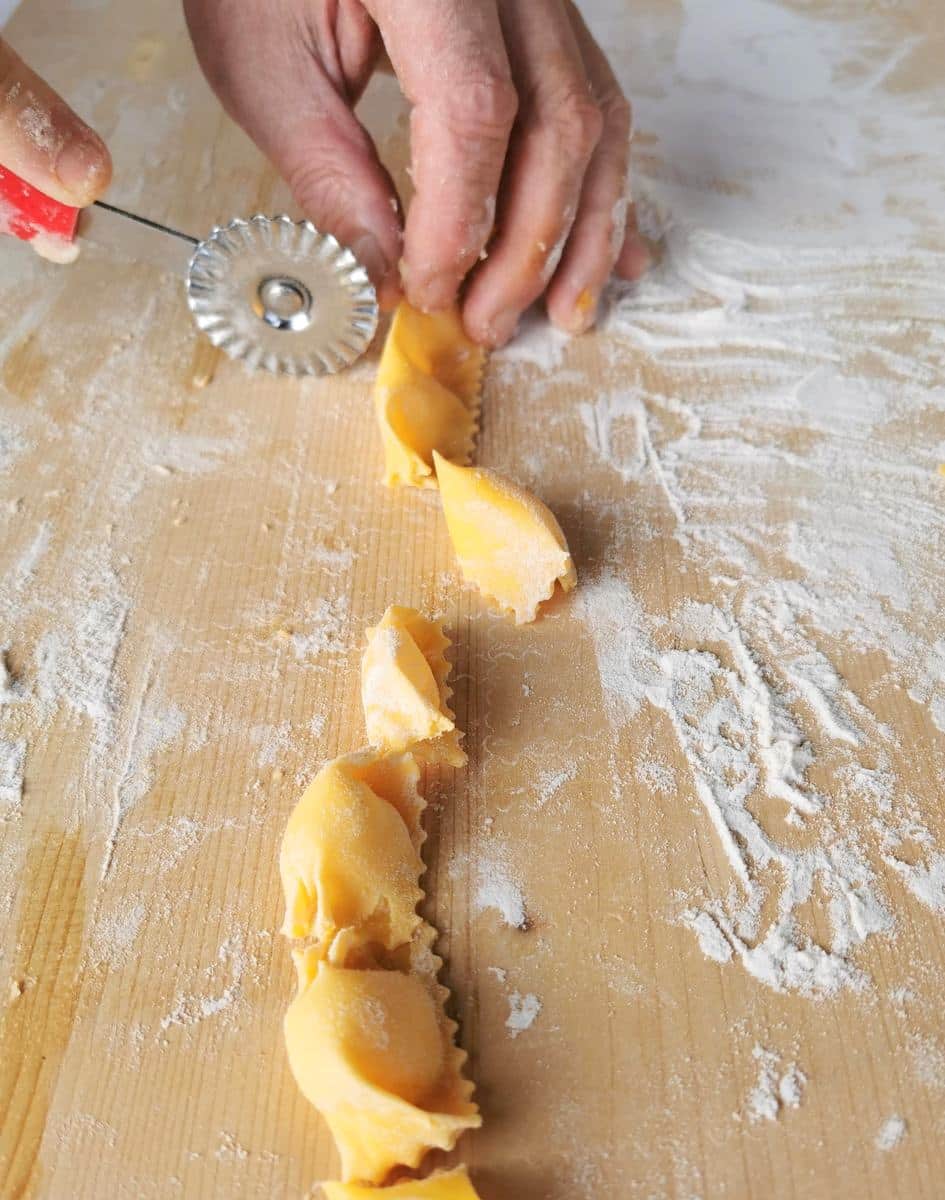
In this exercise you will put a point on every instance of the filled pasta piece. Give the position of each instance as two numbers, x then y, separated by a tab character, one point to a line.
373	1050
442	1185
350	859
508	543
404	689
427	394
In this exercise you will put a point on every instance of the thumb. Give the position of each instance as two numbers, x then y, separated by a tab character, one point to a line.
275	84
42	139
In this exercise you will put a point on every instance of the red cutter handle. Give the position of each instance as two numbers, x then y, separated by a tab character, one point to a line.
26	211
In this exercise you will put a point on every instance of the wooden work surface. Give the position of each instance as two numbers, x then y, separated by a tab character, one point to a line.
187	576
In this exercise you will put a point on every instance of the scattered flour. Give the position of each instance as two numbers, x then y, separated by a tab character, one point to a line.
229	1149
274	741
776	1089
25	568
76	660
928	1060
891	1133
925	880
494	885
324	627
523	1009
12	690
12	762
537	344
712	942
192	1008
551	782
114	936
655	775
12	442
790	450
737	729
496	889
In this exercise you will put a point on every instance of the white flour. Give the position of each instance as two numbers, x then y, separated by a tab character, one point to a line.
12	690
769	419
772	460
320	630
12	763
494	884
523	1011
273	742
891	1133
735	726
191	1008
776	1088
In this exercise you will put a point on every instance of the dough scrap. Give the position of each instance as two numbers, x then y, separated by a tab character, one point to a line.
507	541
404	688
442	1185
373	1050
350	859
427	394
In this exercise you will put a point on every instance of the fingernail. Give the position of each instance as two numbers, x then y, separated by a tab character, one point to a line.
584	313
427	291
82	167
501	328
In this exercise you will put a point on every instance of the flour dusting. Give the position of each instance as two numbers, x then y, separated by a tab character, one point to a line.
523	1012
494	884
777	1088
12	762
192	1008
891	1133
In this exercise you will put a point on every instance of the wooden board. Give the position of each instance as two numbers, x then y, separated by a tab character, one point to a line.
187	576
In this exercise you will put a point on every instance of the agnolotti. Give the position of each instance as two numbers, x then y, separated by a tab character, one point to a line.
404	689
350	859
427	394
373	1051
507	541
442	1185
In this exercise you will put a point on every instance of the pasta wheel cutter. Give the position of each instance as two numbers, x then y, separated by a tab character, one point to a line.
273	293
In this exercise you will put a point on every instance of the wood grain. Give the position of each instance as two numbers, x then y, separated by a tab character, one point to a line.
233	543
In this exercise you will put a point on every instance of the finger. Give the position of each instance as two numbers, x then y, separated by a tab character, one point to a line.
604	215
288	85
557	131
43	141
451	61
635	257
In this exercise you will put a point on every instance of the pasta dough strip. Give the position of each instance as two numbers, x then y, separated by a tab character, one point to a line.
368	1037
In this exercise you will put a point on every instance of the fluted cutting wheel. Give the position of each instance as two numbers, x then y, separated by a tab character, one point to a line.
280	296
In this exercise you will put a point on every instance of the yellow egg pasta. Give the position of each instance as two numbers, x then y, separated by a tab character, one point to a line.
507	541
368	1037
427	394
442	1185
350	859
373	1050
404	689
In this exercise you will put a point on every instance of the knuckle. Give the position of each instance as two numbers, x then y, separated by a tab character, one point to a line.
579	122
323	169
321	187
484	108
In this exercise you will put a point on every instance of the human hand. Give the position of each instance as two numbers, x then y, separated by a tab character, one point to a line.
43	141
518	128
